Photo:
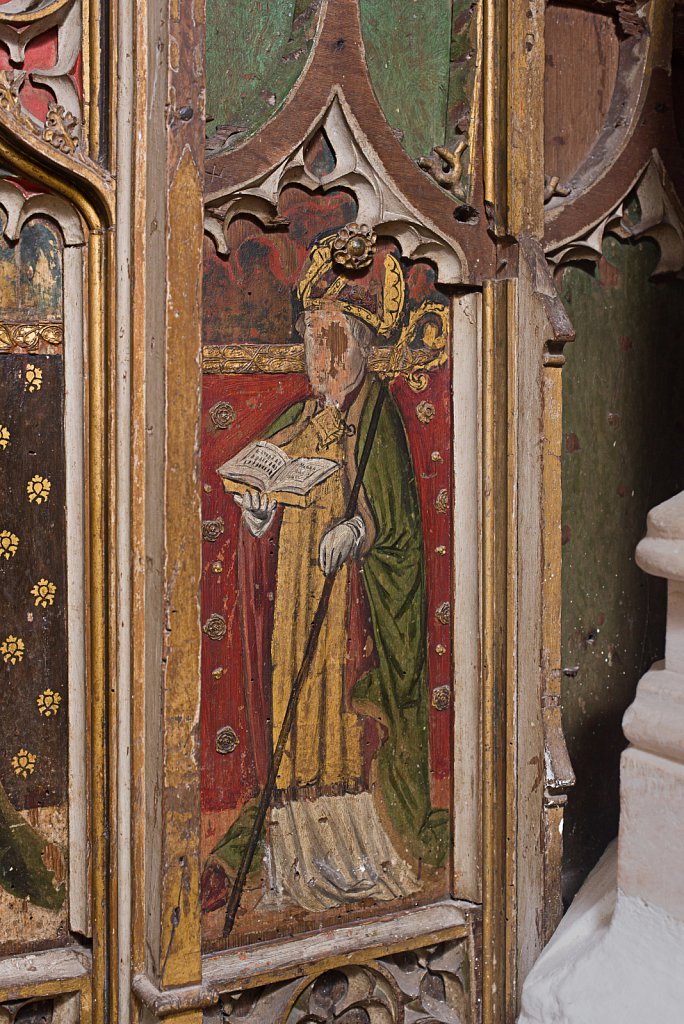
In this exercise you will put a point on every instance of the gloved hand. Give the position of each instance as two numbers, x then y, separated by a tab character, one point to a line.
340	543
257	511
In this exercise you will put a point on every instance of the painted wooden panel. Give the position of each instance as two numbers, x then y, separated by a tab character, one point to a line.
582	54
31	275
408	52
463	61
33	583
33	676
30	1011
33	598
255	372
255	53
623	436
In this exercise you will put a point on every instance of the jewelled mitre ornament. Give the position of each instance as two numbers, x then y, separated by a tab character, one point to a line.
375	294
354	246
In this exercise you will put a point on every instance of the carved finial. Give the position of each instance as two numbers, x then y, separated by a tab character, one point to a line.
10	83
553	187
445	167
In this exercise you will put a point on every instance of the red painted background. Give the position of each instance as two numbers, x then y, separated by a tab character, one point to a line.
41	54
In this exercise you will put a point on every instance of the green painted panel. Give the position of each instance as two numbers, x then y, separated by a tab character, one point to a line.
40	278
420	53
462	70
623	426
255	53
408	46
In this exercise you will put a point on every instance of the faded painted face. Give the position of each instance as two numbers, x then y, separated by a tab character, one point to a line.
335	362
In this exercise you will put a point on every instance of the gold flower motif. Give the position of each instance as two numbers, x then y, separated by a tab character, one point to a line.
38	489
44	592
33	378
442	501
12	650
425	411
9	542
4	437
48	702
24	763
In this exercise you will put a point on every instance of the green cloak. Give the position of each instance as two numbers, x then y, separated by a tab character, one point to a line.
22	871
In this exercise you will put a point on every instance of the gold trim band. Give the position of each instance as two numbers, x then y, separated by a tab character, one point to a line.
217	359
31	337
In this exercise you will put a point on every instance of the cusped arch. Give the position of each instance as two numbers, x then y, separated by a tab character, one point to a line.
20	209
660	216
356	169
250	177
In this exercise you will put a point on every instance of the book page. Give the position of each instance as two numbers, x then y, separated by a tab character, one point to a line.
257	464
302	475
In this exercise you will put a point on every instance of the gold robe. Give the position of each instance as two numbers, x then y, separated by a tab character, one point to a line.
324	749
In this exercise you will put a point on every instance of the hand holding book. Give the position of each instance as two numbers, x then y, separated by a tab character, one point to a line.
257	511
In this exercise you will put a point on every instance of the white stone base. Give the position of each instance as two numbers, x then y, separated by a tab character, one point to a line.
613	960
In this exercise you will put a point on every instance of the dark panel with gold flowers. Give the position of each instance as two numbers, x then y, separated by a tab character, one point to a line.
32	581
33	597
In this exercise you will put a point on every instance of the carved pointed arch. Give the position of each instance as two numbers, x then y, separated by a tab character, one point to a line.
20	209
335	94
380	203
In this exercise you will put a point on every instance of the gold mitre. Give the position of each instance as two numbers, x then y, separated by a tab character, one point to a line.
333	273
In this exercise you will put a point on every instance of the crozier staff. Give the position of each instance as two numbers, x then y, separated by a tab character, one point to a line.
329	840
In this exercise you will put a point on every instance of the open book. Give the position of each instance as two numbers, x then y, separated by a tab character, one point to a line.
265	467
